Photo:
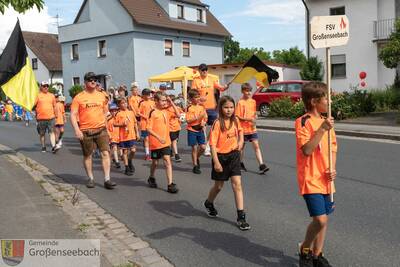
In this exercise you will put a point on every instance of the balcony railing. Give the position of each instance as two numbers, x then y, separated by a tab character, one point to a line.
383	28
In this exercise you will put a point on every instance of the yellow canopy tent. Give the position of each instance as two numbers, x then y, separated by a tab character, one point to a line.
181	74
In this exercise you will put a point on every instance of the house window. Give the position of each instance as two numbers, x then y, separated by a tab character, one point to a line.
101	49
181	14
186	49
34	64
335	11
74	52
168	47
338	65
76	80
199	15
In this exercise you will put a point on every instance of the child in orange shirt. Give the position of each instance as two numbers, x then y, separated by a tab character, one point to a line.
313	175
246	112
145	106
196	118
174	114
60	120
128	134
113	133
159	141
9	111
226	141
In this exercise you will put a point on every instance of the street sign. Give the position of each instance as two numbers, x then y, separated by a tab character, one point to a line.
329	31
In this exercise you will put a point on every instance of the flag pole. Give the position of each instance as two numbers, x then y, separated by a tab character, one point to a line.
328	83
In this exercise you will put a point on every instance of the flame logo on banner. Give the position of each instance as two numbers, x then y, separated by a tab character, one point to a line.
343	24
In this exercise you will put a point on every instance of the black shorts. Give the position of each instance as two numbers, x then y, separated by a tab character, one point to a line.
44	126
230	163
160	153
174	135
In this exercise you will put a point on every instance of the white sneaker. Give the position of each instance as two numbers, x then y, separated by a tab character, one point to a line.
207	152
58	146
60	142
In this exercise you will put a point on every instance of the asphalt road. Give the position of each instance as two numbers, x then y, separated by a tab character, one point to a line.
363	231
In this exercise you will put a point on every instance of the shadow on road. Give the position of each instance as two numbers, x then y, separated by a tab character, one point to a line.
235	245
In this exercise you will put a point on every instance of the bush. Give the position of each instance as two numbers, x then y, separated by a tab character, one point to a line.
285	108
75	89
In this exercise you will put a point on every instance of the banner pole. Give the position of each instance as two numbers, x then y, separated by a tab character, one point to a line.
328	83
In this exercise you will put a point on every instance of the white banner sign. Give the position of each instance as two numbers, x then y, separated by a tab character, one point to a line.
329	31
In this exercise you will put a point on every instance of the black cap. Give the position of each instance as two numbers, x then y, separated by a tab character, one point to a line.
146	91
203	67
163	87
90	75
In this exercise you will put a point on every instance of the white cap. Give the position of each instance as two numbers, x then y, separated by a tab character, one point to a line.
134	84
44	83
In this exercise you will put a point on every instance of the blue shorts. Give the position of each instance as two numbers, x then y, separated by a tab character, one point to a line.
144	134
250	137
212	115
196	138
319	204
127	144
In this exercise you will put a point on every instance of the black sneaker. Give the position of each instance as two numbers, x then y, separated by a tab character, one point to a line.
132	169
242	224
172	188
152	182
44	149
321	261
211	211
177	158
305	259
128	171
109	185
55	149
117	165
263	169
242	167
196	169
90	183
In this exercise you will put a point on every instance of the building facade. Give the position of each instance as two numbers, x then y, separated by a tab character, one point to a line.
125	41
371	23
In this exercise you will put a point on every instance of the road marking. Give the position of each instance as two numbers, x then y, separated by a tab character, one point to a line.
386	141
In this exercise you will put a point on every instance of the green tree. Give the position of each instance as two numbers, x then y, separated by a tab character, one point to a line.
231	50
293	56
246	53
21	5
312	70
75	89
390	54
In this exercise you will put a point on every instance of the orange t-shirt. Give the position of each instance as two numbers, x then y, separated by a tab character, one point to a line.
206	89
91	108
193	112
9	108
228	140
174	123
60	113
145	106
128	132
158	123
133	103
45	105
311	169
113	132
247	109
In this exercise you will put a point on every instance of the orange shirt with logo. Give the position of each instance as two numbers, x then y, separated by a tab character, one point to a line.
91	109
113	132
206	89
133	103
174	123
128	132
246	108
145	106
228	140
45	105
158	123
311	169
60	113
195	111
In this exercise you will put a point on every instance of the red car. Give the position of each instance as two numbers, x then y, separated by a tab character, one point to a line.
264	96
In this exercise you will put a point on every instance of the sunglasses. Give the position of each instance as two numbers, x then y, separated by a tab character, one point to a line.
92	80
204	70
45	85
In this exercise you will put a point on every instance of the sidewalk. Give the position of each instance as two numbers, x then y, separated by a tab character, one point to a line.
27	213
346	129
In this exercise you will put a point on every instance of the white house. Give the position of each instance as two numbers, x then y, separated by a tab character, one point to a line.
371	22
44	52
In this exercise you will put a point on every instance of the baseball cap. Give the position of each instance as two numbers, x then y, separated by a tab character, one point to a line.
61	98
112	107
203	67
146	91
163	87
44	83
90	75
134	84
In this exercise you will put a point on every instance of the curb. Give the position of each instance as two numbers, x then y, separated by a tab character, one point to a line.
339	132
119	245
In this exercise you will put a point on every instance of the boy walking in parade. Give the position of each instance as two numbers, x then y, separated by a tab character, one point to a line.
145	106
174	114
246	112
313	175
60	120
113	133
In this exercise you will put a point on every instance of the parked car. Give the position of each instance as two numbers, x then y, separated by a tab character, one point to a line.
265	95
